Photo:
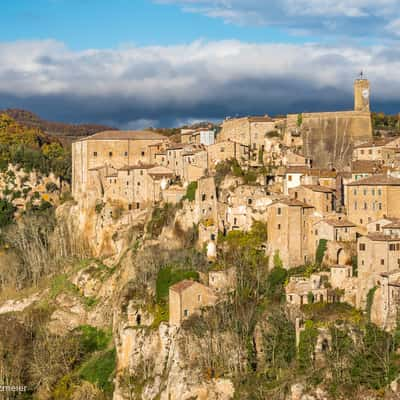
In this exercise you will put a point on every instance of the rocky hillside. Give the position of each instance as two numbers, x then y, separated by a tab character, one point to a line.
84	314
66	133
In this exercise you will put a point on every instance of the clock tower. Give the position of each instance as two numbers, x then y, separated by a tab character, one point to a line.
361	94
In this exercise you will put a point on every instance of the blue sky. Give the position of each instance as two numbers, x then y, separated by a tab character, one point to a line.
136	63
83	24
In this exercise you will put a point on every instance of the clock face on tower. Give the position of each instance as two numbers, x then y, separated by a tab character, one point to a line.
365	93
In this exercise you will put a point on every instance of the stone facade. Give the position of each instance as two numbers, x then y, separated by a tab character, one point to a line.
289	224
187	298
372	198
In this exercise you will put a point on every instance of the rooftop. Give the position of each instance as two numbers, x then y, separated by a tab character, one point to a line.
379	179
125	135
182	285
340	223
319	188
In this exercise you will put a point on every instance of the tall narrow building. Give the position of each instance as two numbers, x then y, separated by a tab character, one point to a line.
361	95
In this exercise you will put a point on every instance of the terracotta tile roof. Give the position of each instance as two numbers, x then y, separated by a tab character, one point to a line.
379	179
319	188
182	285
365	166
125	135
159	170
394	224
374	143
292	203
340	223
321	173
380	237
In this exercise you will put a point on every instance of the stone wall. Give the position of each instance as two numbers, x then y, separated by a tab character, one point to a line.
328	138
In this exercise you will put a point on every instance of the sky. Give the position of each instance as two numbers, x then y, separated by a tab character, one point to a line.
139	63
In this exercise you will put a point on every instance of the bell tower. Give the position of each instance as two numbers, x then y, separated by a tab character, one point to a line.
361	94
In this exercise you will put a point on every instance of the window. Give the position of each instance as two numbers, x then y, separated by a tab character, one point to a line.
203	197
199	298
289	178
382	261
392	246
95	154
373	192
142	153
279	211
355	205
127	183
365	192
138	183
397	246
380	206
379	192
222	149
279	227
249	201
370	151
110	154
141	172
129	207
137	205
186	313
126	154
362	247
355	192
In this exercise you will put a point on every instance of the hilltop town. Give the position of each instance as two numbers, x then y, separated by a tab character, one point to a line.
259	259
318	182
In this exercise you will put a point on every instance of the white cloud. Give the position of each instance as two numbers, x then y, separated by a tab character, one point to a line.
338	17
139	86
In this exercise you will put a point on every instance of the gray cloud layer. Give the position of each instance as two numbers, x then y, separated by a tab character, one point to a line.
141	86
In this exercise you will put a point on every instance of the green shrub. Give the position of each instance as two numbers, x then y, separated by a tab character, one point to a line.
168	276
99	370
370	301
275	283
93	339
191	191
308	341
7	211
321	249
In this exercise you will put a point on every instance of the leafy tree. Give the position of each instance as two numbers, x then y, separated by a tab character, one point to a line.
7	211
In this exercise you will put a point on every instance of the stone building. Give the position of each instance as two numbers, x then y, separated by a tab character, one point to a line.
226	150
187	298
135	187
376	254
116	149
194	164
386	301
245	204
322	198
289	223
249	131
372	198
301	290
329	137
338	230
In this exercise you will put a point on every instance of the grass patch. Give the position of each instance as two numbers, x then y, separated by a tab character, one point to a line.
168	276
93	339
99	370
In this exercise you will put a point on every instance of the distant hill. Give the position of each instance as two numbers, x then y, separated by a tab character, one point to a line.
66	133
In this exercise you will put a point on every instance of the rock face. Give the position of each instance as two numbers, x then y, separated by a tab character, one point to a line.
157	365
